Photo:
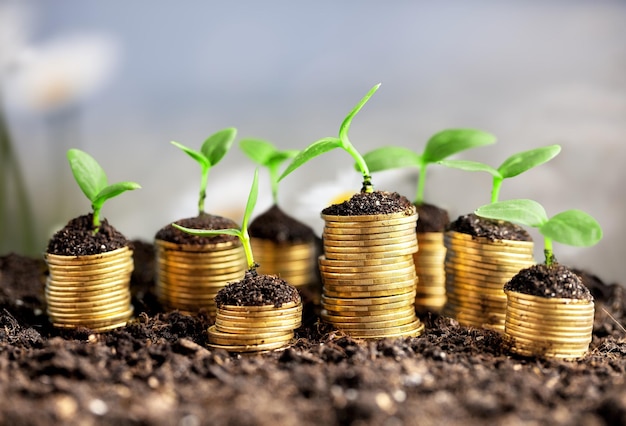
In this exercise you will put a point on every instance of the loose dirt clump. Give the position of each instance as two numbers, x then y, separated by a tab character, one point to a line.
489	228
549	281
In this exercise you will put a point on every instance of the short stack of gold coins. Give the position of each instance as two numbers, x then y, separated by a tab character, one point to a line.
189	276
548	327
89	291
431	275
292	262
255	328
476	270
368	275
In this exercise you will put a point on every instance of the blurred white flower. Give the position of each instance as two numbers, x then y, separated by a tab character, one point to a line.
62	72
309	204
14	25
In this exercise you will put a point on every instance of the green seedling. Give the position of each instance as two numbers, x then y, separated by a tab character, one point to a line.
326	144
267	155
212	151
93	182
571	227
511	167
242	233
439	147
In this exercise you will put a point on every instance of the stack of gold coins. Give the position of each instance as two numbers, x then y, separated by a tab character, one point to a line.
431	275
255	328
90	291
293	262
368	275
548	327
476	270
189	276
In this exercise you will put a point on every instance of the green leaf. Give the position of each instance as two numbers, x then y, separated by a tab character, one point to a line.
391	157
258	150
217	145
316	148
525	212
345	126
87	172
113	191
451	141
252	197
523	161
196	155
208	232
470	166
280	156
574	228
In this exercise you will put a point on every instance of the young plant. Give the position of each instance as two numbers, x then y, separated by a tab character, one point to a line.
212	151
93	182
571	227
267	155
326	144
512	166
439	147
242	233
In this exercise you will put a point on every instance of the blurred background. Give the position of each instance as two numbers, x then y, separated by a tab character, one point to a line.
122	79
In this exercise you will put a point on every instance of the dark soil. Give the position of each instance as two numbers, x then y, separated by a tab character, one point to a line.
203	221
257	290
77	238
369	203
276	225
431	218
489	228
159	371
549	281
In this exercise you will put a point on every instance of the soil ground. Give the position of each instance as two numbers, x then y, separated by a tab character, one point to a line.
158	370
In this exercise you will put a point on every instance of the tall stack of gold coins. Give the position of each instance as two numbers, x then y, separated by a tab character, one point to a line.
89	291
368	275
293	262
189	276
476	270
255	328
548	327
429	265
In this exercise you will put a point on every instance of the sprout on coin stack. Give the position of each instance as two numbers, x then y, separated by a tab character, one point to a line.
483	254
259	312
549	311
191	269
283	245
429	259
367	268
89	261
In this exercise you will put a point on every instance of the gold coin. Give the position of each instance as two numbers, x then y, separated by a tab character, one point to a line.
250	348
88	312
94	319
179	279
96	272
522	330
369	256
277	313
342	247
368	279
371	218
406	311
247	330
493	260
255	324
355	310
486	254
122	262
199	265
259	308
548	320
81	303
368	294
560	310
487	266
217	337
211	247
367	288
549	301
365	302
366	262
414	328
566	342
370	236
359	270
365	231
79	298
55	259
352	324
454	235
340	240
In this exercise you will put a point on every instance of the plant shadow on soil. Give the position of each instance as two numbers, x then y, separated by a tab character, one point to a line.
157	370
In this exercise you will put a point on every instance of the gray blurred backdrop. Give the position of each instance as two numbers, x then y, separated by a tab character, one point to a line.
533	73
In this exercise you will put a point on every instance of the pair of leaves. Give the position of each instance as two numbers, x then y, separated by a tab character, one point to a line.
324	145
512	166
440	146
92	179
571	227
213	149
265	153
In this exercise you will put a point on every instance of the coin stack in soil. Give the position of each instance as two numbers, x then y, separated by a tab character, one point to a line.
368	275
258	313
89	291
549	327
189	276
476	270
429	266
